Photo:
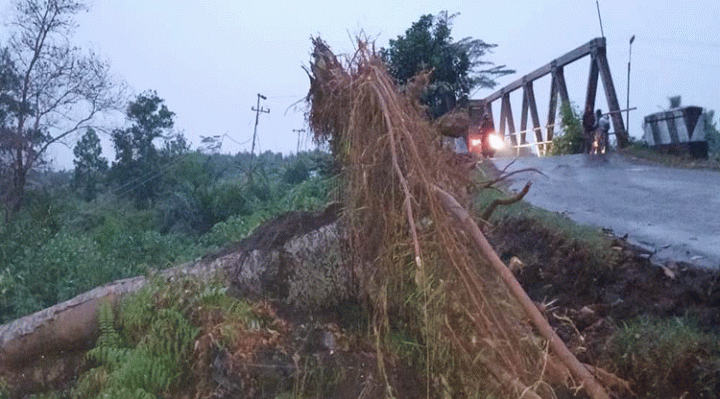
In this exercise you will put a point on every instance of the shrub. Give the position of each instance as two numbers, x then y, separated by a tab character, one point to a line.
572	138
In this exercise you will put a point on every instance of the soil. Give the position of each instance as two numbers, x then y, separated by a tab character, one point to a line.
587	299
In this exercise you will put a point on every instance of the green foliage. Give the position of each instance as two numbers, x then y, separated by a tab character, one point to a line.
60	245
61	91
655	352
145	352
675	101
457	66
572	138
297	172
712	135
9	86
90	166
138	163
51	254
151	355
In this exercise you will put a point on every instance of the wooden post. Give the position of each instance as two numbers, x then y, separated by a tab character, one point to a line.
592	83
506	116
489	113
562	87
529	98
613	104
552	109
534	112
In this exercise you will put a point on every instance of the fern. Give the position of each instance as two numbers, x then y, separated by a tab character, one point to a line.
212	295
144	352
152	359
109	337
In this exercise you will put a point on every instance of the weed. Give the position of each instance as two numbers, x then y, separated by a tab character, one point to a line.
570	141
657	356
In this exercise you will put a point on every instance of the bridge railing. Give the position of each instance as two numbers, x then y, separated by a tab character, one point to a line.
518	140
599	69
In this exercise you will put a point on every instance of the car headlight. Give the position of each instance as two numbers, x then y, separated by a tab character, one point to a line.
496	142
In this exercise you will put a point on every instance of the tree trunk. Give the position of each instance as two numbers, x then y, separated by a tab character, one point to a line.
296	260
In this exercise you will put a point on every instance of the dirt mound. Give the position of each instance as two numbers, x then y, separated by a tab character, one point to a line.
590	299
622	286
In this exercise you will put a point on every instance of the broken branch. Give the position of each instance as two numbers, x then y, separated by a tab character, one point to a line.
505	201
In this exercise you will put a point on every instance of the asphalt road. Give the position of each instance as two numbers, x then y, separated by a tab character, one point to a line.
675	212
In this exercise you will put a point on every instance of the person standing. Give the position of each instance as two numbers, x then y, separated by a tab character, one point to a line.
486	129
602	131
589	126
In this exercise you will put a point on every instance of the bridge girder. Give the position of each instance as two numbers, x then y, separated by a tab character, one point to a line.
599	68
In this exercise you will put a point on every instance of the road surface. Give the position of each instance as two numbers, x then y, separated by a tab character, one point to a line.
675	212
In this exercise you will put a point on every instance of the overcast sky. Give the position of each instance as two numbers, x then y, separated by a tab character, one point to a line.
209	59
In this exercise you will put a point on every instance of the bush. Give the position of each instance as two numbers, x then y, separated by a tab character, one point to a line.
60	245
152	347
572	138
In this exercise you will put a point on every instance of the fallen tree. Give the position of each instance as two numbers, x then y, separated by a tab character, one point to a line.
411	257
417	264
294	259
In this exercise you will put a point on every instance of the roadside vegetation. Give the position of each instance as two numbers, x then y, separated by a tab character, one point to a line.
62	244
570	139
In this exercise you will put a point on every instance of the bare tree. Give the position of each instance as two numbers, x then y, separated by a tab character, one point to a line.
59	90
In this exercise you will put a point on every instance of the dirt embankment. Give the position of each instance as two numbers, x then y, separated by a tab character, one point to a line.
590	299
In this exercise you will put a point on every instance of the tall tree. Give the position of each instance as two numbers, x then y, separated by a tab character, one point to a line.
457	66
60	89
138	166
9	88
90	166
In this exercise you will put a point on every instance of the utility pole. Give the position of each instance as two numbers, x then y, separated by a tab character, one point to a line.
299	131
257	110
597	2
627	117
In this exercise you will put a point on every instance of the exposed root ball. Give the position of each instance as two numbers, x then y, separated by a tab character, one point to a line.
417	267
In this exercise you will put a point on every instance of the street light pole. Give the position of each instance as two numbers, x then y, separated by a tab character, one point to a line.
627	117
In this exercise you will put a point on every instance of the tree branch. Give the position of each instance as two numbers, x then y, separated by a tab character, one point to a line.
505	201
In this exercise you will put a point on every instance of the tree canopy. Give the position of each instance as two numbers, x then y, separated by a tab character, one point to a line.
138	162
90	165
50	89
457	66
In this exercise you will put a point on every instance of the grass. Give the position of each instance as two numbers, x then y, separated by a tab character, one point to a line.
646	153
669	357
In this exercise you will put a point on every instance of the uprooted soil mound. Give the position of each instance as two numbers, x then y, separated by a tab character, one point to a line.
564	271
591	301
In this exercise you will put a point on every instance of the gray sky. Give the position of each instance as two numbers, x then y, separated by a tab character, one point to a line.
209	59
